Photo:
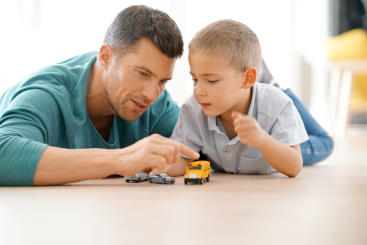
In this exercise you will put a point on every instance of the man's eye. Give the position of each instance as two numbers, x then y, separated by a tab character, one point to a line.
213	81
143	73
194	80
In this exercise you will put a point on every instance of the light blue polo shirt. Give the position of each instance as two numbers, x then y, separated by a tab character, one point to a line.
273	110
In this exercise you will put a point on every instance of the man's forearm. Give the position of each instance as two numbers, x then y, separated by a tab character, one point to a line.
60	166
285	159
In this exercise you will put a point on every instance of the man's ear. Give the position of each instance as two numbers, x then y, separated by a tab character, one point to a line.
105	55
249	77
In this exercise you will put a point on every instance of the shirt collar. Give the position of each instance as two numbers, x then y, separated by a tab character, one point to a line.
212	121
251	110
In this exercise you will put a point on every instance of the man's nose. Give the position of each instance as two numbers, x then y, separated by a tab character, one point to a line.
151	91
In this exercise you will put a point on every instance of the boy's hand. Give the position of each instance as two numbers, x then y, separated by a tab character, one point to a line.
248	130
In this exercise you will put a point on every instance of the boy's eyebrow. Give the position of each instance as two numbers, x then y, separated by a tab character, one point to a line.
151	73
207	74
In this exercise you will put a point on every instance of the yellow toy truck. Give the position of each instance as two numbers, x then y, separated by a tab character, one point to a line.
197	172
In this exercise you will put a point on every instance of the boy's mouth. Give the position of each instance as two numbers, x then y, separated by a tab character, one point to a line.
205	105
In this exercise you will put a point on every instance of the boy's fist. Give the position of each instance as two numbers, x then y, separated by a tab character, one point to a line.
248	130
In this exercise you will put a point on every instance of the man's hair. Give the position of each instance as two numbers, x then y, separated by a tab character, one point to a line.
138	21
232	39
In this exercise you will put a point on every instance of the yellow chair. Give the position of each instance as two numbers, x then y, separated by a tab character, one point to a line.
347	54
349	45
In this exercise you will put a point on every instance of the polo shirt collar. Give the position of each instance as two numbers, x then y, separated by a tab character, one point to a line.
212	121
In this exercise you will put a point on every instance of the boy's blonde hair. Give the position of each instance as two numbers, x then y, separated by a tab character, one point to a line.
232	39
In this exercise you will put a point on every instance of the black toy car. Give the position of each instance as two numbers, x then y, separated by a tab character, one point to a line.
161	178
138	177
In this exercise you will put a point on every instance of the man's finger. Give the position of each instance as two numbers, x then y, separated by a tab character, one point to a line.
156	161
188	152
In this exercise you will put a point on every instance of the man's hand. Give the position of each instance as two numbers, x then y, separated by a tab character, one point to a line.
153	152
248	130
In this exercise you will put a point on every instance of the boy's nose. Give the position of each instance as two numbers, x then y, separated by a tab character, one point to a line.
198	89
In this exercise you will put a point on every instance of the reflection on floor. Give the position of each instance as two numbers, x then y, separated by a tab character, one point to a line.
350	149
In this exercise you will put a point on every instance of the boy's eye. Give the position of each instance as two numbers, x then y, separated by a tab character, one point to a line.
194	80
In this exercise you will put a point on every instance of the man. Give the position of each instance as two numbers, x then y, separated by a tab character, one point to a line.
96	115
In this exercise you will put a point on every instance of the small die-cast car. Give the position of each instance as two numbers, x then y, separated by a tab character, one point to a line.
197	172
138	177
161	178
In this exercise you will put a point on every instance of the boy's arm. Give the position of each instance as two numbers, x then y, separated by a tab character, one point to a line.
285	159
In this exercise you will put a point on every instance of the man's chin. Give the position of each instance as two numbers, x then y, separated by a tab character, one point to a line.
130	118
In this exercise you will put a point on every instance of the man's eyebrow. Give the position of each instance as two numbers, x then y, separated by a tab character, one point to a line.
151	73
146	70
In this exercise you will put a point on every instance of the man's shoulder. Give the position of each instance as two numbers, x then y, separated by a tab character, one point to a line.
270	100
78	60
60	74
54	82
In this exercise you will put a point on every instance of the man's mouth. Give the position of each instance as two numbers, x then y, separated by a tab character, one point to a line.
140	104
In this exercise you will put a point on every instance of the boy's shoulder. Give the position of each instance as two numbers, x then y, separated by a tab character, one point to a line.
270	100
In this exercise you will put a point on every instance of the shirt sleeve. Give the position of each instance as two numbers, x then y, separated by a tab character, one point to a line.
186	130
288	127
23	135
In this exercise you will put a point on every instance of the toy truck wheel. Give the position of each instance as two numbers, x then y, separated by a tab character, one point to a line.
201	181
208	178
185	181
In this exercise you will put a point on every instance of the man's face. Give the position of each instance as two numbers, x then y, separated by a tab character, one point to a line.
217	84
134	81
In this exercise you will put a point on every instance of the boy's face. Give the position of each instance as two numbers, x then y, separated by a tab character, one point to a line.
218	86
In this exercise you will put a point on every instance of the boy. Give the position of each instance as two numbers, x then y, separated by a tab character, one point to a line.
239	125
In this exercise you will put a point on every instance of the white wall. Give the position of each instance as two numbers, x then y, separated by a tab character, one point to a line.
310	39
36	33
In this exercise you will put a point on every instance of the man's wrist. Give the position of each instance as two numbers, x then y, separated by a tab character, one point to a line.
106	161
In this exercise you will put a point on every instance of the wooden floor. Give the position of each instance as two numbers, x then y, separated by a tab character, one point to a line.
325	204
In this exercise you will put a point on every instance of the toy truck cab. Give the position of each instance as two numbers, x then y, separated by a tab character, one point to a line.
197	172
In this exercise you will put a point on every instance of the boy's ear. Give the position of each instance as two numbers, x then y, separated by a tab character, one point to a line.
105	55
249	77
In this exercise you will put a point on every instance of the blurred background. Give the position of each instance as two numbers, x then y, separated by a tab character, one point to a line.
317	47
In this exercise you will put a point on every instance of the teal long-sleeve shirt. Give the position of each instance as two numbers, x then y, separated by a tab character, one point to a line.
48	108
